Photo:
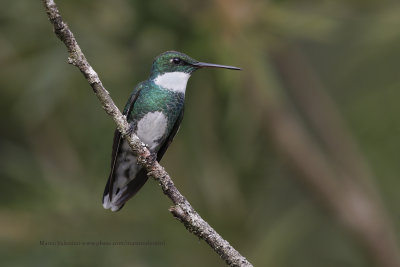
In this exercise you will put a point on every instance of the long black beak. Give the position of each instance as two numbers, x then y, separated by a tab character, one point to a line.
210	65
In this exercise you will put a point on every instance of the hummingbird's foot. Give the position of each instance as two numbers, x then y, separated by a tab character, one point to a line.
153	157
131	129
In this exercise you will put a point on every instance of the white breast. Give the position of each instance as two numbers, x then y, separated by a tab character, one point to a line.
151	128
174	81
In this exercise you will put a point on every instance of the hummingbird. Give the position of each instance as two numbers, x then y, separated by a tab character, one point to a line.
154	112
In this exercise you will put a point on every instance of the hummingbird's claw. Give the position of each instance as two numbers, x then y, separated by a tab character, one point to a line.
153	157
130	129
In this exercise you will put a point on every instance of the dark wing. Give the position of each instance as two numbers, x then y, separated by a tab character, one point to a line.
171	136
118	140
141	177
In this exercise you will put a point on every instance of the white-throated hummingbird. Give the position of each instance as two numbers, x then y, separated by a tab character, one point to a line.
154	112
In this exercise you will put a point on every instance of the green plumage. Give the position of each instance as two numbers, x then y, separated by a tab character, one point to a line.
153	98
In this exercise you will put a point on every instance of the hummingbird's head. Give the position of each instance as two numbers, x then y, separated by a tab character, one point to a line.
173	69
172	61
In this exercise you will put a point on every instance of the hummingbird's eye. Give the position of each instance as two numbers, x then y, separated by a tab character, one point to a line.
176	60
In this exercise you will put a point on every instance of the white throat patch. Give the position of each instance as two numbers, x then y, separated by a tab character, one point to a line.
174	81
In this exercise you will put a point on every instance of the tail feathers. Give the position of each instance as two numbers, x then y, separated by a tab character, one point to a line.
117	199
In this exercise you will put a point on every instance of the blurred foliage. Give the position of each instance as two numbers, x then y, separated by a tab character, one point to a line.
56	141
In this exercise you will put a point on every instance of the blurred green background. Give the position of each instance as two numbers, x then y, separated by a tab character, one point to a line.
56	140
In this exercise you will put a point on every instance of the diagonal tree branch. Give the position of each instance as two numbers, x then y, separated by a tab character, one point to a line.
182	210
